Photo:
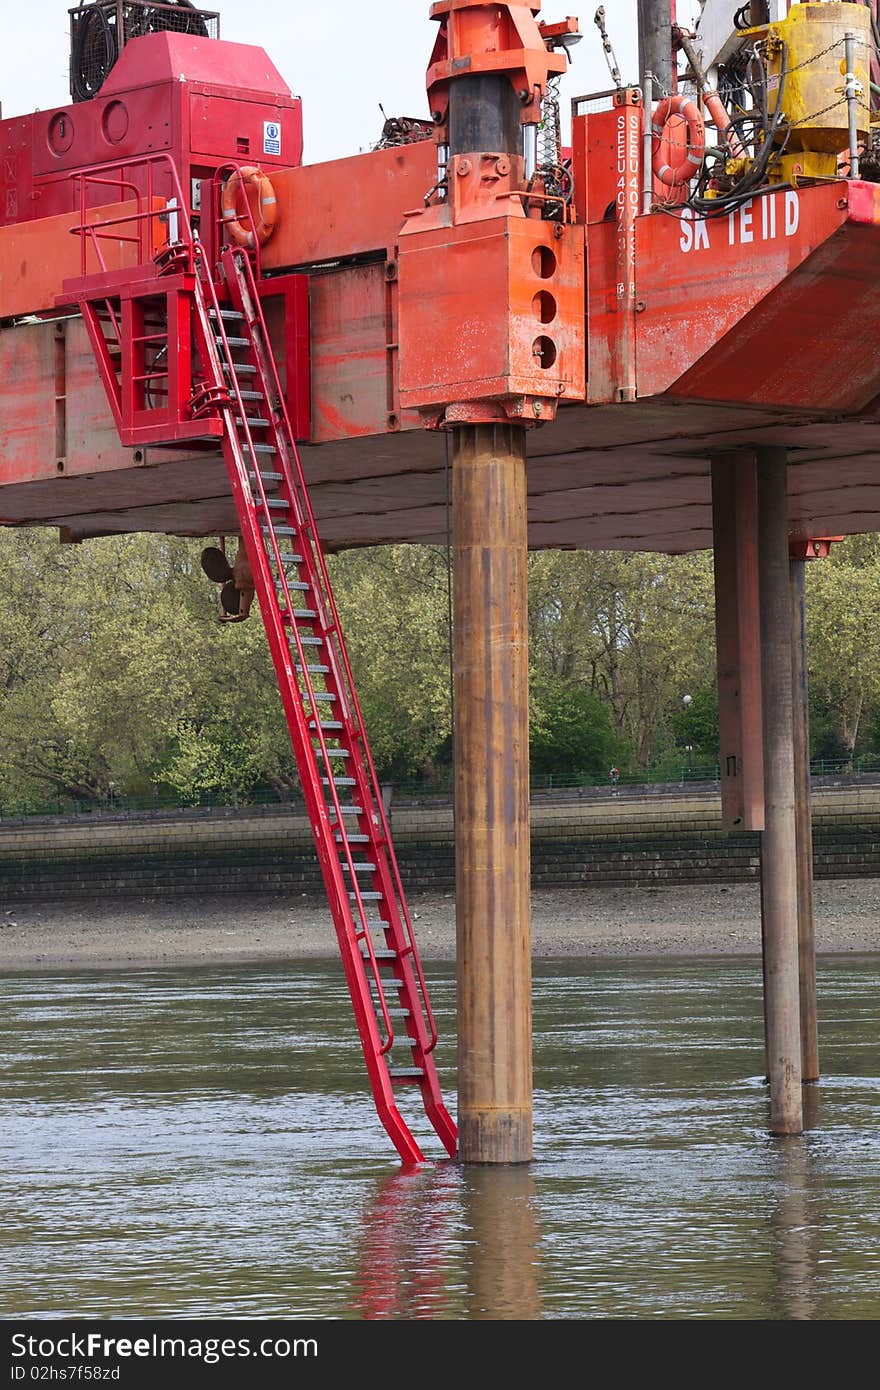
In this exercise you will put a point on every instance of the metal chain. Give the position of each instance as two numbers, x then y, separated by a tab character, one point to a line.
814	57
550	127
814	115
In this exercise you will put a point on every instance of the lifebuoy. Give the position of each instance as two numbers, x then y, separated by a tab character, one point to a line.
253	185
675	161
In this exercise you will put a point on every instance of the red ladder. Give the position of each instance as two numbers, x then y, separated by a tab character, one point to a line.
373	927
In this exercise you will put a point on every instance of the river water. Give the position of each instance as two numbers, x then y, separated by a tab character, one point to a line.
200	1142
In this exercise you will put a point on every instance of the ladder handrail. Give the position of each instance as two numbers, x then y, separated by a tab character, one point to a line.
218	223
303	660
241	257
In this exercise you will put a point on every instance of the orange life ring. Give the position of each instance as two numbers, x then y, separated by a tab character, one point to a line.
251	186
675	161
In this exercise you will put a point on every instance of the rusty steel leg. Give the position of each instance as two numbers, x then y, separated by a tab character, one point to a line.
779	858
737	640
804	826
492	794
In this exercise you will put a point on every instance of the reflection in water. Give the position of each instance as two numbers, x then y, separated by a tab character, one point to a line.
499	1210
202	1143
404	1248
795	1223
812	1101
450	1242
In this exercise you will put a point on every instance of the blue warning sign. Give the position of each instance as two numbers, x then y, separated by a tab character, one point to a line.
271	137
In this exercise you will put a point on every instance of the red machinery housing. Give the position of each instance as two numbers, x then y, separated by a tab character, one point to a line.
202	101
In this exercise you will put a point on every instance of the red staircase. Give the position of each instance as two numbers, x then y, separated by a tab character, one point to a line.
166	325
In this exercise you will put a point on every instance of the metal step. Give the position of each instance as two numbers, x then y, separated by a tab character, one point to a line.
232	342
372	897
339	782
328	725
380	952
228	315
258	448
253	422
277	504
278	531
239	368
326	695
352	840
304	614
404	1073
360	868
252	395
333	753
299	584
313	671
266	477
310	641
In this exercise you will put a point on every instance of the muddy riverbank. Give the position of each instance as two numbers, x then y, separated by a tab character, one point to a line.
600	921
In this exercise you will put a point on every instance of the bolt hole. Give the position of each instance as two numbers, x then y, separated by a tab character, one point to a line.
543	262
60	465
544	306
544	349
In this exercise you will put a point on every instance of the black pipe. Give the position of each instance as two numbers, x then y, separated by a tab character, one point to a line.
655	41
484	115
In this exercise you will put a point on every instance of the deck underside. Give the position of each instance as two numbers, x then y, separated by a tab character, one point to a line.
630	477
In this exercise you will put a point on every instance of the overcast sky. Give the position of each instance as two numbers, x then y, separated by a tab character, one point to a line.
342	57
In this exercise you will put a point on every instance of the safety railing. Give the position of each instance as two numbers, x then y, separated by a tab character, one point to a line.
162	216
159	204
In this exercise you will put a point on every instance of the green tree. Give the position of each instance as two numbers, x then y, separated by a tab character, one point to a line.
115	675
637	630
571	730
843	621
393	606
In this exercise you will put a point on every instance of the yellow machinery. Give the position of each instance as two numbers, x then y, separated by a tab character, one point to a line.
804	59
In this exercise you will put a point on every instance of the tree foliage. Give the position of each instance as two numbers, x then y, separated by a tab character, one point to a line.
843	622
636	630
116	678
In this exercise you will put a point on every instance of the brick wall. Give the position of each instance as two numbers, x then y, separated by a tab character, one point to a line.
577	837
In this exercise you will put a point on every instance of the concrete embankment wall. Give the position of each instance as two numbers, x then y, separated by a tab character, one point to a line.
583	836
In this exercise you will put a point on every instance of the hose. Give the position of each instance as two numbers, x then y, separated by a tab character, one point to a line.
753	181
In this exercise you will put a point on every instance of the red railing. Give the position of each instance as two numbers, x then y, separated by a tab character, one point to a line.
147	216
161	176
